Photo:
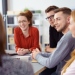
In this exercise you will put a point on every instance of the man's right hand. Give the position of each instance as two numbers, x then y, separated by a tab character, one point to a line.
48	49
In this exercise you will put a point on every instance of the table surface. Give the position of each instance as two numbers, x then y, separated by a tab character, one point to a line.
36	66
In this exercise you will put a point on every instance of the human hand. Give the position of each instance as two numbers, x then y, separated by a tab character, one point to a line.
35	52
47	48
22	51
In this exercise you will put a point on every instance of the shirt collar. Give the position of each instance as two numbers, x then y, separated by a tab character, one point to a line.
30	29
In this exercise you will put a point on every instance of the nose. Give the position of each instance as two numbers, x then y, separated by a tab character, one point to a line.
21	23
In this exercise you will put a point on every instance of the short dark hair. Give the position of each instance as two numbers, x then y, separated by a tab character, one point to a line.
65	10
50	8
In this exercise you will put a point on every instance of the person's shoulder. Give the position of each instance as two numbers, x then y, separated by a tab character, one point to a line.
16	65
68	37
34	28
10	59
53	29
68	34
24	67
17	29
60	33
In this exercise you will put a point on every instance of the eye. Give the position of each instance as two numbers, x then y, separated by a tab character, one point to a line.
50	17
19	21
24	21
58	18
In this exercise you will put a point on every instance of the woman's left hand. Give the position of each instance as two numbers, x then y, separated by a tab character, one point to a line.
22	51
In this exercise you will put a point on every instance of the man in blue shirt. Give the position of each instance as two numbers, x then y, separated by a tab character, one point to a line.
64	47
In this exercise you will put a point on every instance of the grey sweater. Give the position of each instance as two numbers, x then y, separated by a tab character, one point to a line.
13	66
59	56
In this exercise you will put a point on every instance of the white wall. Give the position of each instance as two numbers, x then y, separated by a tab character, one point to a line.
63	3
0	6
39	5
32	4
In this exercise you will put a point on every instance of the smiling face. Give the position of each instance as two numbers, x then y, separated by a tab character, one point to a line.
61	21
23	23
50	18
72	26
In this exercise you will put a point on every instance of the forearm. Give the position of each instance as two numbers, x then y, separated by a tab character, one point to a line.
43	61
45	54
61	53
57	55
50	50
50	61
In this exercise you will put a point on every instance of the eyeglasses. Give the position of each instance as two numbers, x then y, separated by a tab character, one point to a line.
50	17
23	21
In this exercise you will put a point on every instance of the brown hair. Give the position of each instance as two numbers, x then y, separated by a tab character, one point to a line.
28	15
73	52
2	38
65	10
73	15
51	8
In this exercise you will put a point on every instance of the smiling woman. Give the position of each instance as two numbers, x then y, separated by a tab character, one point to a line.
26	36
6	68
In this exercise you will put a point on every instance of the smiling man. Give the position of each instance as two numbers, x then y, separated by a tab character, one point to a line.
54	36
61	20
64	47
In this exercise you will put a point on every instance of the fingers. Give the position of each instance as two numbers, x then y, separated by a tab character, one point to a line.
37	50
47	47
33	52
21	51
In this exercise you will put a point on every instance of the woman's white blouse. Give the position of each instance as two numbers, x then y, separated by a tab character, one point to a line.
71	69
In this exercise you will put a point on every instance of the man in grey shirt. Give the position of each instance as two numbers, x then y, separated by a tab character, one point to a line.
64	47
